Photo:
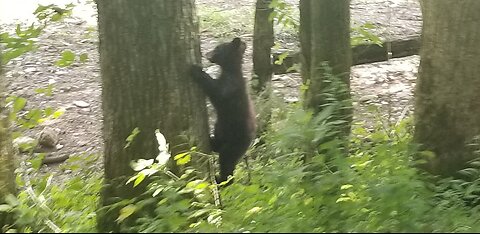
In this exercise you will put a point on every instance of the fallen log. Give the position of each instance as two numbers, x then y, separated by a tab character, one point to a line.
361	54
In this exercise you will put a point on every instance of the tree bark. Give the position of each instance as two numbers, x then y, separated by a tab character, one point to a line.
146	51
7	164
447	106
263	40
328	41
305	38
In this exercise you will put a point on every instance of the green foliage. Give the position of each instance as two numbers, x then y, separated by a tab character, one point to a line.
282	14
376	188
68	58
362	35
48	91
24	39
132	136
20	43
42	206
53	12
30	118
172	203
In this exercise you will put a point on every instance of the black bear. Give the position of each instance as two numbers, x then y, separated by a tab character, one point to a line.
235	126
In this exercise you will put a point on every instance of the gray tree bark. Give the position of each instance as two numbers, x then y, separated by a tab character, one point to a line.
305	38
263	40
325	37
447	106
146	50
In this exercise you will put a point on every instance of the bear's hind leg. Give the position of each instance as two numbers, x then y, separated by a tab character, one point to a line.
227	167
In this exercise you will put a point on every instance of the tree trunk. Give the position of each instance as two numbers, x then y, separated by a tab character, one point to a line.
146	51
447	106
263	41
327	41
305	38
7	165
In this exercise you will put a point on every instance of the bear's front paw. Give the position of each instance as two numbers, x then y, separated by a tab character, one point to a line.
196	71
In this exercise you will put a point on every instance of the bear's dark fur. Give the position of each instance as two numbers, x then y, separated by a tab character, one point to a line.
235	126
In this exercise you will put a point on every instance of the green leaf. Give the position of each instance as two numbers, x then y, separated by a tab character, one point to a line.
58	113
126	212
132	179
157	191
132	136
281	57
5	208
197	184
346	186
19	104
48	91
83	57
67	59
201	186
183	158
48	111
273	199
37	161
139	179
343	199
254	210
308	201
11	200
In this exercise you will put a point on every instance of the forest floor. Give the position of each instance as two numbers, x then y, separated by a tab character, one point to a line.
387	85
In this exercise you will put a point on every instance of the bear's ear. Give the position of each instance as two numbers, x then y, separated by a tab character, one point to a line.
239	44
236	41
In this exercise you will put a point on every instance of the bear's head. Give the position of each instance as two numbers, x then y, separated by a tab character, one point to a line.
229	53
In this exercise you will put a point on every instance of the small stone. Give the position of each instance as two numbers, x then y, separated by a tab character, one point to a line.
397	88
369	82
291	99
86	110
30	69
23	142
368	97
81	104
59	146
48	138
61	72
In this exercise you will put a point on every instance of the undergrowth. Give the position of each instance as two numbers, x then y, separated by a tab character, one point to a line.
375	188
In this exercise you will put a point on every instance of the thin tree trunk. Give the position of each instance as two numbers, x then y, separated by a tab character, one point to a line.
146	50
447	106
7	165
263	40
328	41
305	38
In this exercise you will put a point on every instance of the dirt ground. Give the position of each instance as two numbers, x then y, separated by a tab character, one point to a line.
387	85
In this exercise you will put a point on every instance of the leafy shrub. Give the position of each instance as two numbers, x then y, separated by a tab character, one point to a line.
42	206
